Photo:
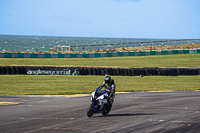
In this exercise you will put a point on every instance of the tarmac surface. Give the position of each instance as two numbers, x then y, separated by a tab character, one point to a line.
135	112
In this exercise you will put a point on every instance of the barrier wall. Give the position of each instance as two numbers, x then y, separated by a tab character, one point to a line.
31	70
94	55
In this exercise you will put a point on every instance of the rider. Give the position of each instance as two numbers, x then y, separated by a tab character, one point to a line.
109	88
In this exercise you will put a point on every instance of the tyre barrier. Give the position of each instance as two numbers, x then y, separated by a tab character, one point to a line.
32	70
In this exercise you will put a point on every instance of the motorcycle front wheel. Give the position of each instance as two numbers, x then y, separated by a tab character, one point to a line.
90	111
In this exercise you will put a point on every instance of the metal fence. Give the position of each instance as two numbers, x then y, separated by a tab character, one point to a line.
133	45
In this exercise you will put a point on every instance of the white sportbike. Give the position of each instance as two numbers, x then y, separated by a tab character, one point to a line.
99	103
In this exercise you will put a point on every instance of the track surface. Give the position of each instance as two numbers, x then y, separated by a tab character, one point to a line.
146	112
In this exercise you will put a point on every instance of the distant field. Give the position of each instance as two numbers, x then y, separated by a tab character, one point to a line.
60	84
178	60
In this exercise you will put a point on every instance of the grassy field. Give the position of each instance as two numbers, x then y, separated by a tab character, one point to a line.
60	85
179	60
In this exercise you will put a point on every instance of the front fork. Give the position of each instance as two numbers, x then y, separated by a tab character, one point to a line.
96	107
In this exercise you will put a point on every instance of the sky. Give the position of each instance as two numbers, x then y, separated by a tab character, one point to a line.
174	19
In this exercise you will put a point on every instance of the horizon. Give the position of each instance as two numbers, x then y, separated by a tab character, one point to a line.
95	37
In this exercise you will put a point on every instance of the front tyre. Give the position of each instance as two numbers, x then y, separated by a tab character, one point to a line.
90	110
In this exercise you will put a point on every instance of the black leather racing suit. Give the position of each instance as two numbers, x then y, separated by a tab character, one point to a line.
110	89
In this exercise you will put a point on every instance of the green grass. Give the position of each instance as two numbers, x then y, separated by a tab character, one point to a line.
178	60
62	84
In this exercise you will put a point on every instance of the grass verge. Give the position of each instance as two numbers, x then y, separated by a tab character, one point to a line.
178	60
59	85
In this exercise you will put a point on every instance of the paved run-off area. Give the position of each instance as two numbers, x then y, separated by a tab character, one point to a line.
156	112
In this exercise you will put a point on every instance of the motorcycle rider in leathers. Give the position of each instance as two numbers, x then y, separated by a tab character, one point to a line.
109	88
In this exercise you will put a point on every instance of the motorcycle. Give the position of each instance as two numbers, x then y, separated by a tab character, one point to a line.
99	103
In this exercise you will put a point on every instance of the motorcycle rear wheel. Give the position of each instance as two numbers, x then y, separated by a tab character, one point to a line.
90	111
106	112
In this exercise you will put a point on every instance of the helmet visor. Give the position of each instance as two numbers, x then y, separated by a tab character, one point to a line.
107	81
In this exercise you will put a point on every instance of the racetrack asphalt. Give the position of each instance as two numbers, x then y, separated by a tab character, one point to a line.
135	112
